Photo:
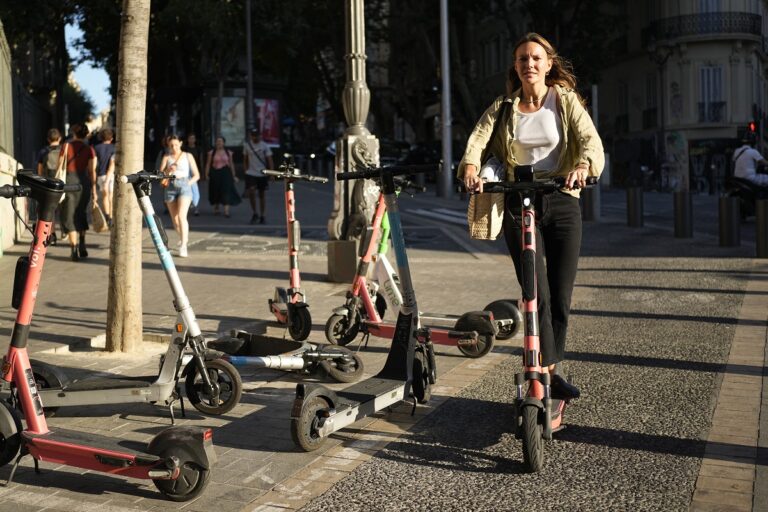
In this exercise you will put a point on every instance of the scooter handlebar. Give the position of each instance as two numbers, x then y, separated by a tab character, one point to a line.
10	191
145	176
294	177
390	169
536	185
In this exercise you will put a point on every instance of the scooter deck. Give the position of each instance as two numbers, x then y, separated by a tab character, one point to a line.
64	438
109	383
366	391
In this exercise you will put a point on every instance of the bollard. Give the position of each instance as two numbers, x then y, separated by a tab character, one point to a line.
761	226
635	207
683	208
730	222
590	204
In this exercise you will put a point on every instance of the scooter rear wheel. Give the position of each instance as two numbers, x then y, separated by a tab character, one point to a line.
338	330
483	346
304	429
347	369
10	434
506	309
300	324
230	387
191	483
533	441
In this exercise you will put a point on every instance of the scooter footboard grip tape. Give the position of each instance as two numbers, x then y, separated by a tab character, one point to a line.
529	274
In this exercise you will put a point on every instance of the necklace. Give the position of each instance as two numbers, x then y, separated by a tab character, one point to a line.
533	99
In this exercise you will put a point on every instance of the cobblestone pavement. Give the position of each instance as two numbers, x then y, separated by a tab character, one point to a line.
667	342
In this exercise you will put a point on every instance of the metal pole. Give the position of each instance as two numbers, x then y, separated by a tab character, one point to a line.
446	175
249	118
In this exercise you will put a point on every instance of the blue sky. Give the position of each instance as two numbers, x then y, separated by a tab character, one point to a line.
94	81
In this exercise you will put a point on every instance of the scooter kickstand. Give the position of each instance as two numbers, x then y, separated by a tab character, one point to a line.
16	466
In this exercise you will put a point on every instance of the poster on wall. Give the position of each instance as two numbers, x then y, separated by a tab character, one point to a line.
268	120
232	119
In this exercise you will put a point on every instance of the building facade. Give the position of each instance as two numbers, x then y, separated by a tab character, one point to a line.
689	80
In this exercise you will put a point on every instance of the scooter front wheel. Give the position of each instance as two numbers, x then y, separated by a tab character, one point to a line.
230	387
483	346
533	441
346	368
339	331
506	309
300	324
305	428
10	434
191	482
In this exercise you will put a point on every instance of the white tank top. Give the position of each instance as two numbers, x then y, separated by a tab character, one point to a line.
538	136
182	166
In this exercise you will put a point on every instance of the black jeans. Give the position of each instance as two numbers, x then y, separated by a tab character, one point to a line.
558	241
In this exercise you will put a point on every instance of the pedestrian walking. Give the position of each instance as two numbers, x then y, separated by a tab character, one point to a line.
548	128
178	192
48	162
79	161
196	152
258	157
220	173
105	171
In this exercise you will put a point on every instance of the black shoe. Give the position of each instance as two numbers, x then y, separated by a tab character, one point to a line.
196	213
53	239
74	255
83	251
562	389
254	218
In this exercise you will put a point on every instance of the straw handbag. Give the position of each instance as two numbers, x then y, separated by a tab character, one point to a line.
485	213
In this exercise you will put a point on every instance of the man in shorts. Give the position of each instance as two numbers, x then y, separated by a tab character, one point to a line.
105	171
257	157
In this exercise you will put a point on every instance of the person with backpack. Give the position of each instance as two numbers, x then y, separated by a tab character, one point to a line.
48	161
258	157
79	161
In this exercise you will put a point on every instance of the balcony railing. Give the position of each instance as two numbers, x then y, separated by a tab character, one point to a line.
712	112
703	24
650	118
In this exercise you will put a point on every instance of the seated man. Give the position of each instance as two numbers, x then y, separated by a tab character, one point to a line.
745	162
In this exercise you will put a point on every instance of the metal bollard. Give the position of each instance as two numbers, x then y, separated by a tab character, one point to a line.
683	208
635	207
761	227
590	204
730	222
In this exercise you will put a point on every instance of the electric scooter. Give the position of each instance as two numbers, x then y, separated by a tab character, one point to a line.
258	351
290	306
178	460
410	367
473	332
537	414
212	385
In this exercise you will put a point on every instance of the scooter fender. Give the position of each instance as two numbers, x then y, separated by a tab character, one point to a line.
53	375
208	355
305	392
480	321
343	310
188	443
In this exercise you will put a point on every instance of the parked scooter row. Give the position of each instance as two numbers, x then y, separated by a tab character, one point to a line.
179	460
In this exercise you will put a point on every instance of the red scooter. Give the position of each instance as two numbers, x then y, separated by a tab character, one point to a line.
473	332
537	414
178	460
290	306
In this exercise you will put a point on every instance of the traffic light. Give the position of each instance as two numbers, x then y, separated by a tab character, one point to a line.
752	127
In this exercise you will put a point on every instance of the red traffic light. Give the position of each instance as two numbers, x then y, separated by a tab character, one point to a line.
752	127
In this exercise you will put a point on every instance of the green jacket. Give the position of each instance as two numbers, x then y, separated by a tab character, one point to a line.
581	142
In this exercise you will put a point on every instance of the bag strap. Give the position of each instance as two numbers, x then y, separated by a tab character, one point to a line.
256	154
736	157
501	113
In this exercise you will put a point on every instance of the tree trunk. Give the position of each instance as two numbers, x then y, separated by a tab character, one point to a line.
124	322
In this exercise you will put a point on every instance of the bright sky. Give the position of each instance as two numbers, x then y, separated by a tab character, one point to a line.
94	81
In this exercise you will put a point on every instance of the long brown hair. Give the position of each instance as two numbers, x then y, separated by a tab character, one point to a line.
560	74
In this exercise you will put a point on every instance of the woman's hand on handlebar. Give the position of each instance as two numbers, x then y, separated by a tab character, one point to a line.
577	178
472	181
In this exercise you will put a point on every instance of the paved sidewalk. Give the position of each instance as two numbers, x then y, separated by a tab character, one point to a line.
668	341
